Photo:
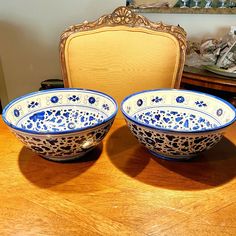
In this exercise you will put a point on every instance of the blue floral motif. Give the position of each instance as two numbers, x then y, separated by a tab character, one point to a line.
180	99
105	107
57	119
33	104
16	113
173	145
71	125
140	102
219	112
73	98
92	100
37	116
157	99
61	124
200	104
182	125
174	120
54	99
65	147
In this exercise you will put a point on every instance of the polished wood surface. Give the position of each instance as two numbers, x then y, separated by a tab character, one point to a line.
203	78
117	189
205	81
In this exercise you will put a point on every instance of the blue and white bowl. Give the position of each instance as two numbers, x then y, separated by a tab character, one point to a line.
177	124
61	124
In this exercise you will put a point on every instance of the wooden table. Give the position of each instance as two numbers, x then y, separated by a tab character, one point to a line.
117	189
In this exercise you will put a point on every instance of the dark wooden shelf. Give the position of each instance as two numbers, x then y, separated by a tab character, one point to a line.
176	10
205	81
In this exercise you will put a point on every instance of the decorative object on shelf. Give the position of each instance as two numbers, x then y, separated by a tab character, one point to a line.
217	56
185	2
183	6
208	4
61	124
220	71
223	5
180	124
227	59
232	3
152	3
196	5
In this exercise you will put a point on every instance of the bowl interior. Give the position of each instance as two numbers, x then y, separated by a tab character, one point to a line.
178	110
59	110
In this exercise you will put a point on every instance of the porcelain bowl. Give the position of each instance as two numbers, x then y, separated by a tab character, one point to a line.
61	124
177	124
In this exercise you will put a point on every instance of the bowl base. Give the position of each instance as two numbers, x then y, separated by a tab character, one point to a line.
171	158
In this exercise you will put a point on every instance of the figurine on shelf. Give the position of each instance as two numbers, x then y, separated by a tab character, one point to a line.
228	59
223	2
232	3
142	4
185	2
212	52
196	3
208	4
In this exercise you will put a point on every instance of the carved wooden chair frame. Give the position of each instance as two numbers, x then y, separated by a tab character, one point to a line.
125	17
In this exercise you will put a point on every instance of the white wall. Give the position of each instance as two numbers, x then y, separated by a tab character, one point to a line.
30	30
198	26
29	38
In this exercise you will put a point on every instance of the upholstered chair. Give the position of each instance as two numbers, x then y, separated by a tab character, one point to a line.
122	53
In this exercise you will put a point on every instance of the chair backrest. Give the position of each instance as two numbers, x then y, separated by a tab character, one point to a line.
122	53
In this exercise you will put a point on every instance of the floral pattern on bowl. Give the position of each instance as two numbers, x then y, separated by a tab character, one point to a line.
177	124
61	124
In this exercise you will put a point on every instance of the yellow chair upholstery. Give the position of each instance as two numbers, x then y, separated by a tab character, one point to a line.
122	53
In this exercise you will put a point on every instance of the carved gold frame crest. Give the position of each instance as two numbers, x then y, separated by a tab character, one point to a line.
126	17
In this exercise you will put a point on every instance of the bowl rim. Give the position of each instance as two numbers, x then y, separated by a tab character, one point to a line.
178	131
57	132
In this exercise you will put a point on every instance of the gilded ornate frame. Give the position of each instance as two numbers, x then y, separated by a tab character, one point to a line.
125	17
